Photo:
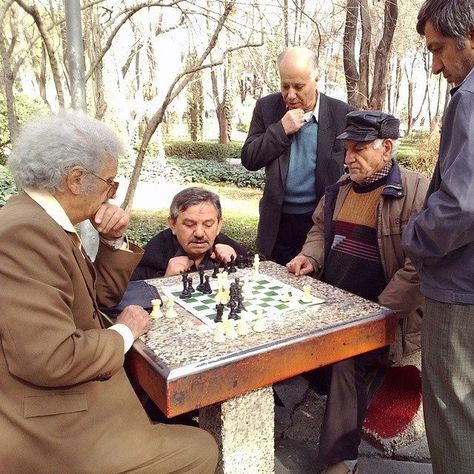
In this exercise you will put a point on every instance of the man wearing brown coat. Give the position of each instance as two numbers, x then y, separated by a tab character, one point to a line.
354	244
66	404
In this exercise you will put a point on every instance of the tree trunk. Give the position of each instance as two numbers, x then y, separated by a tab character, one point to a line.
348	48
381	56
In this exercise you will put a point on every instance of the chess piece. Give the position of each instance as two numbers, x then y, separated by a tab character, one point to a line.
256	266
231	267
286	297
219	312
207	290
190	285
185	293
215	271
259	325
230	332
306	298
219	332
170	311
241	261
156	309
200	287
242	328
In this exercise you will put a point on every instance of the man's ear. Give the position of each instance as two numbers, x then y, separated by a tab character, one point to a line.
172	225
75	179
219	226
387	149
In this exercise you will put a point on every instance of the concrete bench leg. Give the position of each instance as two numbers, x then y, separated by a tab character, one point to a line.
244	430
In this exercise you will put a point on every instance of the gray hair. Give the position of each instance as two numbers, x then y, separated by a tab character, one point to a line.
304	52
451	18
192	196
47	147
377	144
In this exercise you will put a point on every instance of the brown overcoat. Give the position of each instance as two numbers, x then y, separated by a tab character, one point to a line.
65	402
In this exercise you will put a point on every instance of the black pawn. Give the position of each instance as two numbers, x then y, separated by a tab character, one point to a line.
233	309
216	269
240	261
219	312
185	293
207	290
231	268
190	285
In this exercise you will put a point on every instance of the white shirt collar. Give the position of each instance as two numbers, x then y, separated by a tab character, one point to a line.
315	112
52	207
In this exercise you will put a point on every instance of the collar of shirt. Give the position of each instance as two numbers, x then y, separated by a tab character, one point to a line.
454	89
52	207
313	113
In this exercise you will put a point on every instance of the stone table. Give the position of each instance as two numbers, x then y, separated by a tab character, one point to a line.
181	368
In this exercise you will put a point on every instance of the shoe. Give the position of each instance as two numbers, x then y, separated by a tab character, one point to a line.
341	468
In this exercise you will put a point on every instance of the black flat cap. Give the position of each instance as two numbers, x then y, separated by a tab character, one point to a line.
368	125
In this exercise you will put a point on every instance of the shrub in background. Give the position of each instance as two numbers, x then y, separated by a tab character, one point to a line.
7	185
190	150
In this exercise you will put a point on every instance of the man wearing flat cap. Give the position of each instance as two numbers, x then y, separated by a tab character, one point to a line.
354	244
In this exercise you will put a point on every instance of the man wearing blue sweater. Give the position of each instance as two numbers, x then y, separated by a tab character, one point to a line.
293	135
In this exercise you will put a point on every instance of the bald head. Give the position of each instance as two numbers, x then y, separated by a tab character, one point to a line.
299	57
298	68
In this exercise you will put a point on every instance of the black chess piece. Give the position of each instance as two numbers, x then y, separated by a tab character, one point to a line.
185	293
233	309
219	312
190	285
207	290
215	271
200	287
231	266
240	261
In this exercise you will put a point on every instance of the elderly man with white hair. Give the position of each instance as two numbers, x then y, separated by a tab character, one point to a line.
66	404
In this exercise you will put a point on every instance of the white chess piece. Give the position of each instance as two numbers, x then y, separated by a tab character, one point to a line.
242	328
219	332
156	312
170	311
259	325
230	332
256	267
306	298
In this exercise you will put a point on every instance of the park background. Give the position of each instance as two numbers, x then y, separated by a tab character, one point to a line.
178	80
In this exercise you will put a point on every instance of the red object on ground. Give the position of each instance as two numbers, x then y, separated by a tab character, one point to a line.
395	404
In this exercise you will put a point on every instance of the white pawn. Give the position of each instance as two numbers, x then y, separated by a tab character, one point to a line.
156	312
256	267
307	298
170	311
219	332
285	297
230	332
259	325
242	328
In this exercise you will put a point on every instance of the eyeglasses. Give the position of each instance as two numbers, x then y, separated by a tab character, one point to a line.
111	184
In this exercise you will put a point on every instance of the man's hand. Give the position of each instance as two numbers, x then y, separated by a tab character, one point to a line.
292	121
178	265
137	320
300	265
110	221
223	252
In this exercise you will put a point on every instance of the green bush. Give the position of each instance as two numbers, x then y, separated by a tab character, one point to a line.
190	150
203	171
7	185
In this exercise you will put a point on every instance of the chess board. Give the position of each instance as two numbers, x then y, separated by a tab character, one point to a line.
266	293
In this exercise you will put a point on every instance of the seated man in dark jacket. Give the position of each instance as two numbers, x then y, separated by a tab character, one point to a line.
192	239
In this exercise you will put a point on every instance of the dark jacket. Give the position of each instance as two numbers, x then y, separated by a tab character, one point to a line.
268	146
402	196
164	246
440	239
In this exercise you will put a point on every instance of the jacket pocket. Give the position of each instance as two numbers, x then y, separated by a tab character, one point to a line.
54	404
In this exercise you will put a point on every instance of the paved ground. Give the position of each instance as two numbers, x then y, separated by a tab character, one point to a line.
297	429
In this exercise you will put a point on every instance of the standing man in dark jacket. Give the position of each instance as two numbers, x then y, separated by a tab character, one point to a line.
293	135
440	242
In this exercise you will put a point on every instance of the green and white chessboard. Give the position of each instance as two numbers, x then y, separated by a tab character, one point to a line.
266	293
